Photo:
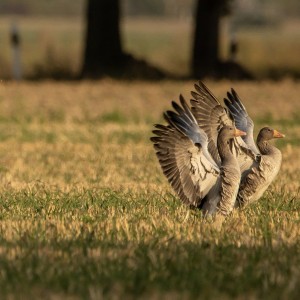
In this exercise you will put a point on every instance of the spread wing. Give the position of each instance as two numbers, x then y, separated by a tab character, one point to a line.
181	148
241	118
211	117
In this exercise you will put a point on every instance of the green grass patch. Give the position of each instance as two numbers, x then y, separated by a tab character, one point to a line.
135	244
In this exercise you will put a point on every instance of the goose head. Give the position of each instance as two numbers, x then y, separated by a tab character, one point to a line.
230	132
268	133
226	134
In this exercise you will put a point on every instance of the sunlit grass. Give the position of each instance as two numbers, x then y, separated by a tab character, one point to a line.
85	211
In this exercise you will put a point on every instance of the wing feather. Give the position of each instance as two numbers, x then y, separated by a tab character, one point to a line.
241	118
210	115
181	148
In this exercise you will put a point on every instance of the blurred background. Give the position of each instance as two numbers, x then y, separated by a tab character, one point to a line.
149	38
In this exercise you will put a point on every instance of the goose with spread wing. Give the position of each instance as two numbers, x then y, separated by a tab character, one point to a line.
257	179
259	164
199	179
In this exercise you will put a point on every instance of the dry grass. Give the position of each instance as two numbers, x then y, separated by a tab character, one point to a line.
85	211
88	123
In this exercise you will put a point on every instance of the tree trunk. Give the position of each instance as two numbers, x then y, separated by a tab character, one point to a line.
103	51
206	39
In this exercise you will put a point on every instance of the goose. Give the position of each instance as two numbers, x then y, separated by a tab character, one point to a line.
257	179
259	164
199	180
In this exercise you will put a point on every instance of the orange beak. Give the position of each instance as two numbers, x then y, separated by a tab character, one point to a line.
277	134
238	132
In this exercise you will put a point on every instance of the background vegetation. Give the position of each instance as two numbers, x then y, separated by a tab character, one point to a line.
158	31
170	8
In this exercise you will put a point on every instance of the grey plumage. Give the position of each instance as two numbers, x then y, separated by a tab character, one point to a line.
241	118
182	151
268	159
211	117
206	164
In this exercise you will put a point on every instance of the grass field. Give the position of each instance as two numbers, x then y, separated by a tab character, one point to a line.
86	213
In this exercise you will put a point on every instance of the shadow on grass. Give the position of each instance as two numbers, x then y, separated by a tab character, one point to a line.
128	270
77	243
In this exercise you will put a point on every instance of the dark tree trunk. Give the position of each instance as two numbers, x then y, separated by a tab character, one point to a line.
103	51
205	57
